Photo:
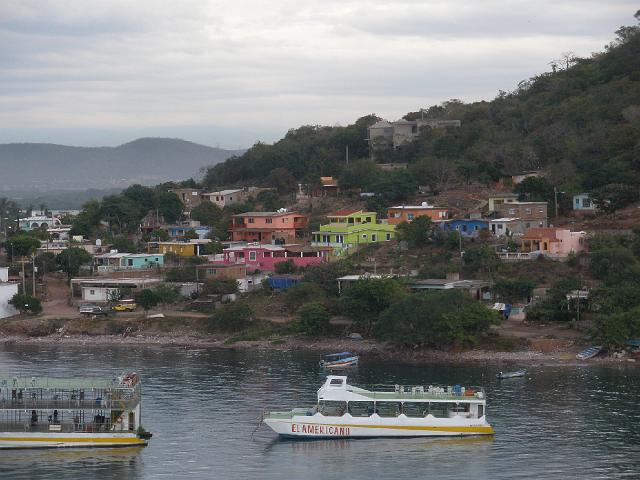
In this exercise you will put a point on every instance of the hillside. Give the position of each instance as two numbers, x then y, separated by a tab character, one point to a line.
580	123
43	167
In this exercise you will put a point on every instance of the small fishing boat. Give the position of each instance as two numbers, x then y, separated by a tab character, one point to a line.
347	411
53	412
518	373
588	353
337	361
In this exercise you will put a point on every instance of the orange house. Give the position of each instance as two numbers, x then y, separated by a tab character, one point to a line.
280	227
408	213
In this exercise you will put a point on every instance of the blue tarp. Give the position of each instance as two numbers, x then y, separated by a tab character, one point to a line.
634	342
283	283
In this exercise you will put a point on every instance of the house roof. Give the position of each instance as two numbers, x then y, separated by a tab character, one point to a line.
381	124
345	212
542	232
417	207
266	214
224	192
503	220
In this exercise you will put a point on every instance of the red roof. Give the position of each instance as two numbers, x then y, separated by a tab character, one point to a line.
541	232
343	213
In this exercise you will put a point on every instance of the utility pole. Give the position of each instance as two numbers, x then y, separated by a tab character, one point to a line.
33	274
24	287
347	154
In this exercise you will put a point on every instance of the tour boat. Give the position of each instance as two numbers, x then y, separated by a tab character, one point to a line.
54	412
336	361
346	411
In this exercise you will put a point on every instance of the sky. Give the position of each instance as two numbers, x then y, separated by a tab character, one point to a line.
230	73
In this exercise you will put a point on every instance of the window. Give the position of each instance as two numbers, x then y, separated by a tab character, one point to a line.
541	210
250	220
92	292
464	228
339	238
374	237
410	216
442	214
267	254
252	256
512	211
527	211
269	220
230	199
500	226
369	219
586	203
476	227
364	235
388	236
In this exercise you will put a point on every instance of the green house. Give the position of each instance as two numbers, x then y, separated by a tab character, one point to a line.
348	229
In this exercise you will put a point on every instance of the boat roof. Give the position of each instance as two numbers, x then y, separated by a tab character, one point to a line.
338	354
66	383
336	389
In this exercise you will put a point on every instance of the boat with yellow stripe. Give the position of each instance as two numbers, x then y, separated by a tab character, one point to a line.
55	412
347	411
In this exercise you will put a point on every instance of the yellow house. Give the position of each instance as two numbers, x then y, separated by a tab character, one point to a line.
192	248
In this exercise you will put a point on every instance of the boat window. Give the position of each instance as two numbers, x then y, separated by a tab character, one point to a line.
480	410
361	409
388	409
416	409
441	409
336	382
331	408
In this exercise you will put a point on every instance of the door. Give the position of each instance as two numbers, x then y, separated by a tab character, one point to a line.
132	421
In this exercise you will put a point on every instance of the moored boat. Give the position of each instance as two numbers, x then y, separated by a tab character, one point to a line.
346	411
588	353
53	412
337	361
517	373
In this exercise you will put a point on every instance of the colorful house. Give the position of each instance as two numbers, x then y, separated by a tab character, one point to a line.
192	248
468	227
557	242
7	292
279	227
500	199
115	261
532	214
506	227
179	231
407	213
266	256
348	229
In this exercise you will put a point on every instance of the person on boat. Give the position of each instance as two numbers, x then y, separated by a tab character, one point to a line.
34	419
55	417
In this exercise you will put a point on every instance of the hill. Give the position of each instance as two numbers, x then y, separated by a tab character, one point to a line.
579	122
43	167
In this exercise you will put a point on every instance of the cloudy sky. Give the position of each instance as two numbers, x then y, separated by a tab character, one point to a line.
229	73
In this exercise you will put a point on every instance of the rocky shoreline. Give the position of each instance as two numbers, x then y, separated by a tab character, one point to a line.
365	347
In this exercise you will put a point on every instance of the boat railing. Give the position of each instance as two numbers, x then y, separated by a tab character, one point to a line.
385	391
52	428
97	403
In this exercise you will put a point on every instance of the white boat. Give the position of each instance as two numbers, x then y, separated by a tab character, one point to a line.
53	412
346	411
588	353
337	361
518	373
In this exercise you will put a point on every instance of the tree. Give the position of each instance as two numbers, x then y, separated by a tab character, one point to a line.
231	317
513	290
123	244
418	233
190	235
282	180
166	294
46	262
612	197
436	319
26	303
147	299
71	259
480	259
21	245
88	219
613	330
143	196
285	267
366	298
303	293
612	263
169	206
313	319
207	213
220	286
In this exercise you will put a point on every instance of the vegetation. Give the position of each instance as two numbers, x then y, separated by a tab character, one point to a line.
313	319
71	259
25	303
231	317
147	299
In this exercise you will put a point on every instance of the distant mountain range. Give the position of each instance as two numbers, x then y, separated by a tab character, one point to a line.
42	167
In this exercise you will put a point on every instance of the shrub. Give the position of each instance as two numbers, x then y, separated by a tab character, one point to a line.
286	267
220	286
26	303
232	317
313	319
303	293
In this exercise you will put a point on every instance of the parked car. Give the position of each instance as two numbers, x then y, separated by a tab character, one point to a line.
125	306
89	309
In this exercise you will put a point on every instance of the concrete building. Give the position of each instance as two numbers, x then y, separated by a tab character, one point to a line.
104	290
7	291
408	213
35	222
467	227
583	203
192	248
266	256
115	261
190	197
281	227
222	198
555	242
532	214
500	199
348	229
384	135
506	227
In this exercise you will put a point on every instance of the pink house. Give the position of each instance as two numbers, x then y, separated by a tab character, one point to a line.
265	256
553	241
279	227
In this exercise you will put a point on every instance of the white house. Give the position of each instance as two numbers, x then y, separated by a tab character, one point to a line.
223	198
7	291
501	227
583	203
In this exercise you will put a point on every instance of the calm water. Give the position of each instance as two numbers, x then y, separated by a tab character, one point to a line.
203	406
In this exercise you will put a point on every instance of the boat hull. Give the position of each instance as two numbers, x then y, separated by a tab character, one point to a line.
66	440
374	426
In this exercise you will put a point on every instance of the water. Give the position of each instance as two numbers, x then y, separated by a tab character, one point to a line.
203	405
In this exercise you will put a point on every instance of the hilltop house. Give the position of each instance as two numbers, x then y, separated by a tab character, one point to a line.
583	203
506	227
279	227
500	199
105	289
532	214
348	229
116	261
407	213
35	222
7	291
190	197
558	242
222	198
177	232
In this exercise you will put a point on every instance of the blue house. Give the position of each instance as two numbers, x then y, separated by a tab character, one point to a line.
468	228
178	231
